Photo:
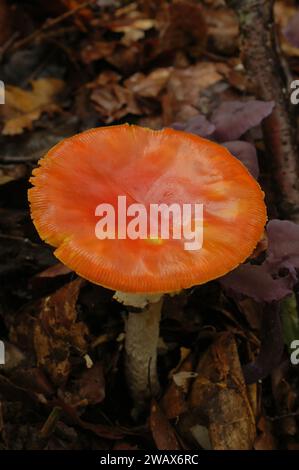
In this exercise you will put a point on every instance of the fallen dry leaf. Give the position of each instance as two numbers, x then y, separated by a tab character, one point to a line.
89	387
112	100
150	31
181	379
265	439
181	25
150	85
284	13
184	88
97	50
219	395
23	107
132	22
135	30
222	29
174	401
162	431
57	269
56	330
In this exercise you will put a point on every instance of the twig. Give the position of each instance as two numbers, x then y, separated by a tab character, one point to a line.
49	24
8	44
265	71
18	239
23	159
286	415
50	425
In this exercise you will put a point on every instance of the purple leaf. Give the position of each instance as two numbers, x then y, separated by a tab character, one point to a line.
283	244
256	282
198	125
291	30
264	282
246	153
233	118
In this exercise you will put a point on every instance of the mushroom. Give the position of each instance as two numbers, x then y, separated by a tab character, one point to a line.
146	167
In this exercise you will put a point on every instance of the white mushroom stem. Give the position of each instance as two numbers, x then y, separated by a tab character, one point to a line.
141	344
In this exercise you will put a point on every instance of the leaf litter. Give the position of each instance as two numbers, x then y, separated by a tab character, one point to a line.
72	66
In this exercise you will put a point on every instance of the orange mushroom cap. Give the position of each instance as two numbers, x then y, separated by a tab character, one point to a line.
147	166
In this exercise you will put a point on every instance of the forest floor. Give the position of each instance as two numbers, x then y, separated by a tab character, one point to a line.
69	65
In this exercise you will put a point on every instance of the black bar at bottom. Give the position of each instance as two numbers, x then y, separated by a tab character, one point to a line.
143	459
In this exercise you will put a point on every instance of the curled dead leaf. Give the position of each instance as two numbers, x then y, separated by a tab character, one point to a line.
265	439
90	386
174	401
23	107
56	331
149	85
181	379
181	25
162	431
219	397
222	29
97	50
111	99
184	88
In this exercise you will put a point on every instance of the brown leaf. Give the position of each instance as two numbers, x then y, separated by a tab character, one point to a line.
181	25
123	445
57	269
112	100
163	433
97	50
52	355
135	30
132	22
21	332
58	311
91	385
222	29
219	395
126	59
149	85
23	107
283	13
174	401
265	439
184	88
56	331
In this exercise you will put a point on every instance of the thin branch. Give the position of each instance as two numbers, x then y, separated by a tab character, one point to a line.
48	25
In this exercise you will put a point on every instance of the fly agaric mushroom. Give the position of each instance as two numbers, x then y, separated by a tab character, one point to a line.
148	167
